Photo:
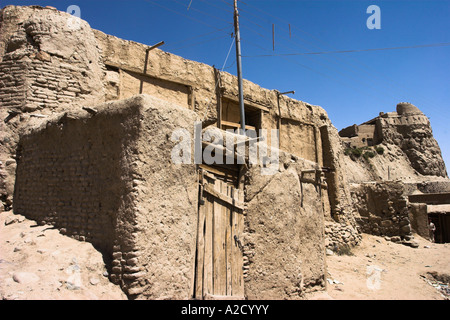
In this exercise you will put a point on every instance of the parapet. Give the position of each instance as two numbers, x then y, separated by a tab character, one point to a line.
406	108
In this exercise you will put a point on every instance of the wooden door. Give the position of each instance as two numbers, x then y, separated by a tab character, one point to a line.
219	256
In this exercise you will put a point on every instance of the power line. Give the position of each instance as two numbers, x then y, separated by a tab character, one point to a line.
201	42
184	15
317	39
208	2
202	12
350	51
198	36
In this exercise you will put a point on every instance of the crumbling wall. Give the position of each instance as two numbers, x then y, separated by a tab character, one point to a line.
49	61
284	236
418	215
73	172
165	229
383	209
193	85
106	177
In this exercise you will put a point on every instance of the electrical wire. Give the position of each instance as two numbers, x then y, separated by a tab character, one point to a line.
350	51
184	15
201	42
202	12
386	79
217	83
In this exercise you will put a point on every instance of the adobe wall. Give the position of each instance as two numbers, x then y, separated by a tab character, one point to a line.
46	66
73	170
118	178
98	179
192	85
51	61
284	232
383	209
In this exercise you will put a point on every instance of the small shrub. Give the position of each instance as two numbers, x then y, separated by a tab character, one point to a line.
379	149
357	152
344	250
368	154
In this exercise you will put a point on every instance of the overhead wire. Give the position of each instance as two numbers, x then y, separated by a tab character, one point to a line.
202	12
258	25
350	51
217	82
184	15
427	101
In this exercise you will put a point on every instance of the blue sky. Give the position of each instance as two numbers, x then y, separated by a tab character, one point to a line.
352	87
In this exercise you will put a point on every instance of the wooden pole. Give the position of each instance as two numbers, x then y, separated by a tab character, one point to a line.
239	66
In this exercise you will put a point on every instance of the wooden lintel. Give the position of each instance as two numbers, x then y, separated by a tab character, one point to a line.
210	189
246	102
236	125
145	74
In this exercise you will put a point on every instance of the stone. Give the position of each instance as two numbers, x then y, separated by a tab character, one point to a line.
412	244
25	277
94	281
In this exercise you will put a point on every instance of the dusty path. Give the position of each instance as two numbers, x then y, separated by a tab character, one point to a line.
37	262
383	270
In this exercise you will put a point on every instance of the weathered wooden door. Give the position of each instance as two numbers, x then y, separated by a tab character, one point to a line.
219	256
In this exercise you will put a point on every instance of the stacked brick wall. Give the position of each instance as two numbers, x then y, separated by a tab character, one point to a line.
383	209
12	84
73	174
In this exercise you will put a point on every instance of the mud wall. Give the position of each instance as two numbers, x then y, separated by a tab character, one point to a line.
284	233
107	178
382	208
73	172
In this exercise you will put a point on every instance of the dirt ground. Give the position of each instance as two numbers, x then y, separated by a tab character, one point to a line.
383	270
38	263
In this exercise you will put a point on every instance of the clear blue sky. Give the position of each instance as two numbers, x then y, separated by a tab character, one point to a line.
352	87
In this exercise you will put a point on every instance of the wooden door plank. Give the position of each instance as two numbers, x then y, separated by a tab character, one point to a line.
238	263
219	245
228	242
200	251
208	263
235	203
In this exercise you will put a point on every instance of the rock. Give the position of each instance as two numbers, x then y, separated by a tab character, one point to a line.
412	244
11	220
396	239
94	281
329	252
25	277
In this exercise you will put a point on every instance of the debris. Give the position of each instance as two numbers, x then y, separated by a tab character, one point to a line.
94	281
333	281
25	277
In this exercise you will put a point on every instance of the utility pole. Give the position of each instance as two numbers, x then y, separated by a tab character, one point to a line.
239	65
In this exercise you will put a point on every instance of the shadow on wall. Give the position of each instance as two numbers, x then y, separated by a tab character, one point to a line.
72	175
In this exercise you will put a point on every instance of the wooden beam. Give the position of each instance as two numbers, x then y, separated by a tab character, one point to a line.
139	72
247	102
236	125
218	97
236	204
